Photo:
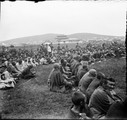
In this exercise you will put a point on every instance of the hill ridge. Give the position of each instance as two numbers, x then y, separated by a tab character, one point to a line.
39	39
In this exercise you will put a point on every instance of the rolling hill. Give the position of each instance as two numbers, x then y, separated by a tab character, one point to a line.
39	39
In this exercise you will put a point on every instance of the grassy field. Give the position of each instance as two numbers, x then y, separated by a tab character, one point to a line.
32	98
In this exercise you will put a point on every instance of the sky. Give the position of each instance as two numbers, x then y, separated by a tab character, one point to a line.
24	18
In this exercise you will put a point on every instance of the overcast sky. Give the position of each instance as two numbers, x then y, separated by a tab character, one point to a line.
23	18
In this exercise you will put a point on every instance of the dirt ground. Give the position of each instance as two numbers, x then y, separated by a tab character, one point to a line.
31	99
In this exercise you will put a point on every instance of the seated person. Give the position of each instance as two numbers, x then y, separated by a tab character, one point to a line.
12	69
102	98
82	71
65	70
86	80
79	109
6	80
35	62
117	110
25	64
19	65
94	84
43	61
26	73
32	62
56	81
75	63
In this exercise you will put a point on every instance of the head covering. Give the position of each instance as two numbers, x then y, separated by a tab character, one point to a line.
77	97
93	72
100	75
56	65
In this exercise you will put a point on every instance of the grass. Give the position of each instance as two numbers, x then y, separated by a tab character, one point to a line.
32	98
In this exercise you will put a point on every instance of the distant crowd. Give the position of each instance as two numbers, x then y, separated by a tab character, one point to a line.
20	62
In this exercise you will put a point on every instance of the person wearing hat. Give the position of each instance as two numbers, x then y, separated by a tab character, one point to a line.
86	80
79	109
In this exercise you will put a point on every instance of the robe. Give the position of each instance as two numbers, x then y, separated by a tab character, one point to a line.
56	81
85	82
99	103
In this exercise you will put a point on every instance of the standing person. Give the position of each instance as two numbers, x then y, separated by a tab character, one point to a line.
102	98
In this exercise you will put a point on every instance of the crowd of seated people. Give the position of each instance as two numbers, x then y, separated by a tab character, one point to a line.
93	92
94	95
96	98
12	71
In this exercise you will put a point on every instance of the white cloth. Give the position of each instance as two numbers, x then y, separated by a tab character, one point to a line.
20	67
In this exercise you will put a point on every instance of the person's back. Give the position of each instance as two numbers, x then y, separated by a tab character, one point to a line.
102	99
74	66
99	103
94	84
86	80
82	71
79	109
55	79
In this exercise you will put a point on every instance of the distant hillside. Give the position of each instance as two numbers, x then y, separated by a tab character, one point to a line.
39	39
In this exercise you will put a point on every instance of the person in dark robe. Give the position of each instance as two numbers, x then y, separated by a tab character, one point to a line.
74	65
63	69
86	80
79	109
102	98
82	71
56	81
94	84
117	110
28	73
